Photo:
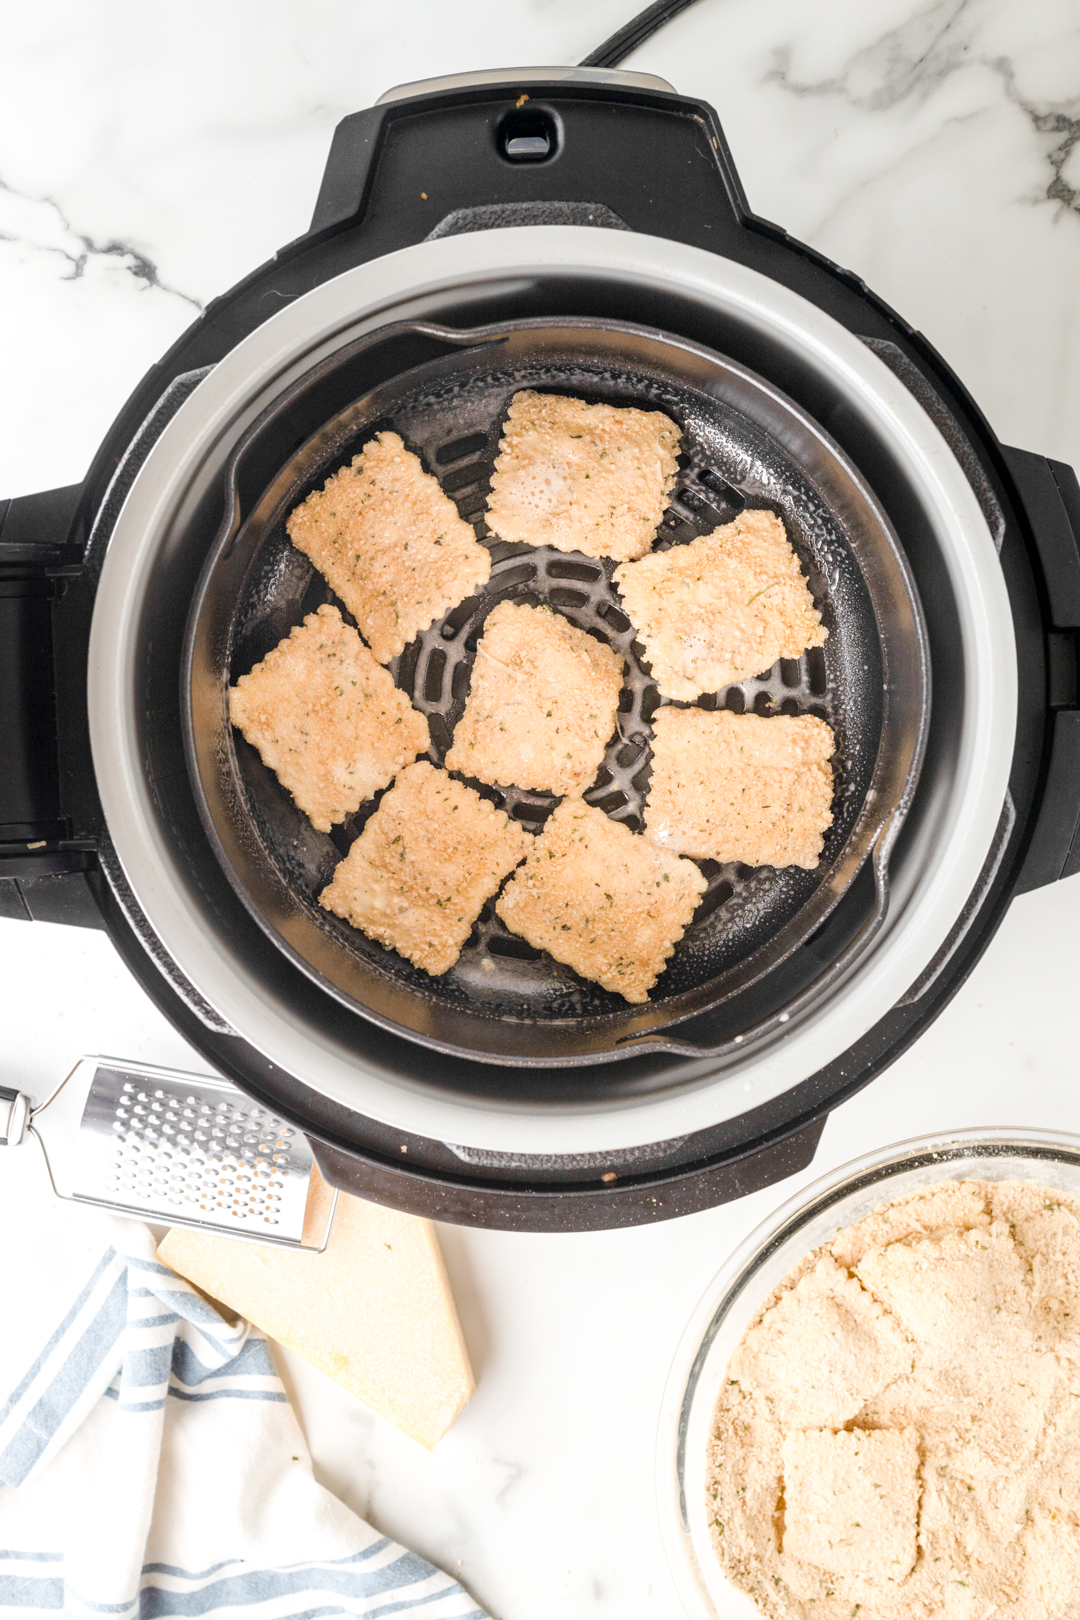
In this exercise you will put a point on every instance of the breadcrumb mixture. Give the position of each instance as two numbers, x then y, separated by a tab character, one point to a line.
607	903
722	607
740	787
898	1436
423	866
326	718
542	703
591	478
390	544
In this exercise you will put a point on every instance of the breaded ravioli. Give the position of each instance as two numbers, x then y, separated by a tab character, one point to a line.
851	1499
739	787
390	544
326	718
542	704
722	607
609	904
423	866
898	1435
592	478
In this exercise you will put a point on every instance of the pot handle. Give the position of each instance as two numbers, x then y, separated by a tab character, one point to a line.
531	146
1050	496
44	870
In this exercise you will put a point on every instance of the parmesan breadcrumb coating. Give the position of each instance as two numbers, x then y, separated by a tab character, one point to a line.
423	866
609	904
897	1436
591	478
390	544
722	607
542	703
326	718
740	787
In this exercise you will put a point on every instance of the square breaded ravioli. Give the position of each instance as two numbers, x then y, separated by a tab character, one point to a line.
592	478
822	1350
851	1501
390	544
326	718
609	904
721	607
740	787
423	866
542	703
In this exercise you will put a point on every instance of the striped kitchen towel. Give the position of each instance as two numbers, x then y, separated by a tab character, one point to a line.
150	1462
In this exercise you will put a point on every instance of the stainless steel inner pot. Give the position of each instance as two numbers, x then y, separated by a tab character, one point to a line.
675	1081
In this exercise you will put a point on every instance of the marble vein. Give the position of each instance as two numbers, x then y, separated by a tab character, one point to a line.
913	59
1062	120
40	224
514	1471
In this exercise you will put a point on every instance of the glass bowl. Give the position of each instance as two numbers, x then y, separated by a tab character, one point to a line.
738	1291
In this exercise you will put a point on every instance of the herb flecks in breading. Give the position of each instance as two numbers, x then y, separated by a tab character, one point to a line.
592	894
722	607
326	718
542	704
390	544
590	478
423	866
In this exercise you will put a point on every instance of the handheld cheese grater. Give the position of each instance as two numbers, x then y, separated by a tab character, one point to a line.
180	1149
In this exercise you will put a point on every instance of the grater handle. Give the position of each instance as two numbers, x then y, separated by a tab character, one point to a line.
14	1116
135	1139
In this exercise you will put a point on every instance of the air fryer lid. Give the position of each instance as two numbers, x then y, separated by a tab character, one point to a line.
744	444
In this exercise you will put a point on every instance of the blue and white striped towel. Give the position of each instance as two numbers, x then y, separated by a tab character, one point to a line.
150	1461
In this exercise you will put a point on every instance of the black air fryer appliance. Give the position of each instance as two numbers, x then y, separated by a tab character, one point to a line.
582	230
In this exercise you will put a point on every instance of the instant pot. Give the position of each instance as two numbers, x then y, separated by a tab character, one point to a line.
581	229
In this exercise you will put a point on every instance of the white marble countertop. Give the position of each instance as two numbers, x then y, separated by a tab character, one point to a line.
150	156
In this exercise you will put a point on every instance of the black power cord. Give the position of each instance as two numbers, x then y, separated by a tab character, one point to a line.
635	33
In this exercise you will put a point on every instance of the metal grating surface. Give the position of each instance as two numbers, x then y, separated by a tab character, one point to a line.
185	1151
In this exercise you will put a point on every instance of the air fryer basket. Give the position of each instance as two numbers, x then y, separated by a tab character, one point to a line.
744	445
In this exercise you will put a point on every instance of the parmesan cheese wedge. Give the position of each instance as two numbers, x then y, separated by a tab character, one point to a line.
373	1311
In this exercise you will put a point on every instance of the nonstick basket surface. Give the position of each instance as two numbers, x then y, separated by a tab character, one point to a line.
743	446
